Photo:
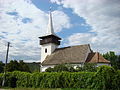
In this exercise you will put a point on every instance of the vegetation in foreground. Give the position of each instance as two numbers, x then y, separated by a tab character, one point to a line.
47	89
106	78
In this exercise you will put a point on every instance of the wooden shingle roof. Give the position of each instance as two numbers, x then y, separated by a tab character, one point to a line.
72	54
96	58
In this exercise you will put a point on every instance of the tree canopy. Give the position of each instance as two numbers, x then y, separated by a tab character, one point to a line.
113	58
17	66
1	67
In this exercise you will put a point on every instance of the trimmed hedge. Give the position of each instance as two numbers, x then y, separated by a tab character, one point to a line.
105	78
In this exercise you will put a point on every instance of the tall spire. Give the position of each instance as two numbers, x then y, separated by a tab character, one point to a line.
50	30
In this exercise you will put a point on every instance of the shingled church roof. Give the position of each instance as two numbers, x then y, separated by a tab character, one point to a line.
72	54
96	58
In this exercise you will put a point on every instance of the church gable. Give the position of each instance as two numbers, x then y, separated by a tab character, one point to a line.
96	58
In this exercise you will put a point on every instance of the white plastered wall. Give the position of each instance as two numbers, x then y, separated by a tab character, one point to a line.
50	48
43	68
100	64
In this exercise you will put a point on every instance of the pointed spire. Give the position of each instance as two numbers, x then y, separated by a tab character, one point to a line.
50	30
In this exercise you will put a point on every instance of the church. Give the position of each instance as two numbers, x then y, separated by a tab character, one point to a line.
51	55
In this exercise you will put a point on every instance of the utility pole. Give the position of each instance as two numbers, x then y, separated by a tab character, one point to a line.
4	78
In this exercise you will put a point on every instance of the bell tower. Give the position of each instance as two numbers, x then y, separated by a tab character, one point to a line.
50	41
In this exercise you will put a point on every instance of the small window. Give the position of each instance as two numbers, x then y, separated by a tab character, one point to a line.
46	50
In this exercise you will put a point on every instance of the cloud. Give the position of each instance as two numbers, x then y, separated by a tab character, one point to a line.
21	23
104	18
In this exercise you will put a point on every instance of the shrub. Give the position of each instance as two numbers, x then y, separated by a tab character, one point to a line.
23	79
49	69
61	68
88	67
106	78
1	79
75	79
103	78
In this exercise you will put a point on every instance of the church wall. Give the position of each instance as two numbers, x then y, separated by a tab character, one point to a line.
100	64
47	49
43	68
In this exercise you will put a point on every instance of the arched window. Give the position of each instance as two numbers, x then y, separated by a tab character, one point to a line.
46	50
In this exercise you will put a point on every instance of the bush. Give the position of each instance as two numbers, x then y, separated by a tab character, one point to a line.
106	78
88	67
1	79
23	79
49	69
47	80
75	80
61	68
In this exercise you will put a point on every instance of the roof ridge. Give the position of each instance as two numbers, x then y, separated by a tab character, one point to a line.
73	46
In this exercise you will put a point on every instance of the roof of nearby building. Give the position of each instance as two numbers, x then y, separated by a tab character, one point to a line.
96	58
72	54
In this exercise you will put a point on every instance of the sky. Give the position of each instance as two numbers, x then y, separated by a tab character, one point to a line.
77	22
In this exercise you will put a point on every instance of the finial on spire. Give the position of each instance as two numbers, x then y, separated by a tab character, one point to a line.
50	30
50	8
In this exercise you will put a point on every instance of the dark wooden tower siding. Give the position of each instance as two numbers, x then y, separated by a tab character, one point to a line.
50	39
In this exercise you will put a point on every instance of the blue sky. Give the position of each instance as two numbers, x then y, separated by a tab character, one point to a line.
94	22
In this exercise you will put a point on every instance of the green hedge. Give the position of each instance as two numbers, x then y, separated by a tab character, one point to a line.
1	78
105	78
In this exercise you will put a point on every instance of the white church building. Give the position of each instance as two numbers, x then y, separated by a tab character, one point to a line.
51	55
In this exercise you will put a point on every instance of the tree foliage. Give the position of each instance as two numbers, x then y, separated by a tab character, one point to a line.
58	68
34	66
113	58
90	67
1	67
106	78
17	66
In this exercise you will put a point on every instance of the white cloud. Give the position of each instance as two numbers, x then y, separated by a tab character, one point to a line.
21	23
104	18
62	20
79	38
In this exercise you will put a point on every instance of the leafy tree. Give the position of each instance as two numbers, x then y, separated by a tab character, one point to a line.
23	66
34	67
117	63
1	67
17	66
13	66
114	59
